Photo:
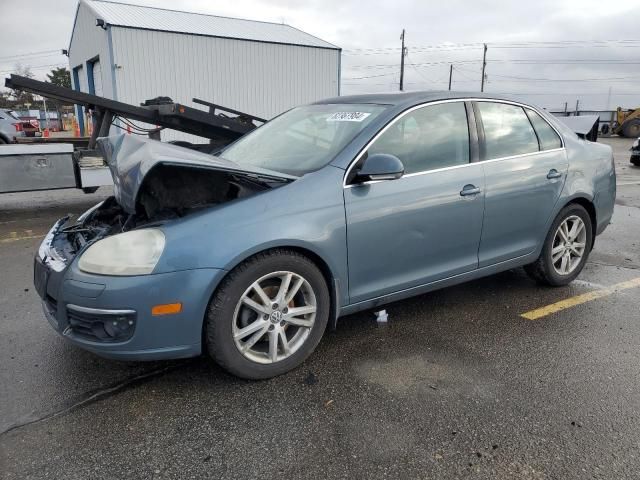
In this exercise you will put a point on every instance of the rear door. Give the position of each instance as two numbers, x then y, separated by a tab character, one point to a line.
525	169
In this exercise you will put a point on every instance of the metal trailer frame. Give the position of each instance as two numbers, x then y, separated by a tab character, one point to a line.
45	167
220	125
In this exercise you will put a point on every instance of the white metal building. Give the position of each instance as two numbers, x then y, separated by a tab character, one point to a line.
133	53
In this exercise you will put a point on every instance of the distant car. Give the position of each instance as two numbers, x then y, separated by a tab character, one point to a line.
10	126
635	153
329	209
31	127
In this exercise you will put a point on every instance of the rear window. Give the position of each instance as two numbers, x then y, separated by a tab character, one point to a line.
507	130
547	136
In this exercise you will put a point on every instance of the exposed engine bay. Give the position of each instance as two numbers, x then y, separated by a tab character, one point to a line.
154	182
168	192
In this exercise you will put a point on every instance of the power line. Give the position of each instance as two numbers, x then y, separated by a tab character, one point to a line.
419	72
39	67
635	43
370	76
421	64
22	55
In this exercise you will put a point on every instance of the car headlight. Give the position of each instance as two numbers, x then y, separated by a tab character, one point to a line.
131	253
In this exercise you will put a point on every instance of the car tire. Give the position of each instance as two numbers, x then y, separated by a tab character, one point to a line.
635	160
2	141
229	315
561	272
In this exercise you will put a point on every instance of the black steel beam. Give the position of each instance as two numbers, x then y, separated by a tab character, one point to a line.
49	90
171	115
213	107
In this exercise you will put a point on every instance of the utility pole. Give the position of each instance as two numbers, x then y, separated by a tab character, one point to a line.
484	65
402	53
577	106
450	75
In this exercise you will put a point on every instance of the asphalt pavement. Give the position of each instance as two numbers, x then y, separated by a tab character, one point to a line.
457	385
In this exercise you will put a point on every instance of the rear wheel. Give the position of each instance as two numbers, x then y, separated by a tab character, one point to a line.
565	249
268	315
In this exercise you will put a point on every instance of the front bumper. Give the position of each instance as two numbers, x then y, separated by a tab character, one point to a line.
77	304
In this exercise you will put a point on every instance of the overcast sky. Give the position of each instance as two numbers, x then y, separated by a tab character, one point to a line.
438	33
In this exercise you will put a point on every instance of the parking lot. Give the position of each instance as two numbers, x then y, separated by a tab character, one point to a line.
458	384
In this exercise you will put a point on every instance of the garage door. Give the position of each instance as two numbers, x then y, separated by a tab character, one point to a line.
97	78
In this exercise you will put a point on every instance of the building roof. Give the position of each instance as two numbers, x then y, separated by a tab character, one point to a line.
159	19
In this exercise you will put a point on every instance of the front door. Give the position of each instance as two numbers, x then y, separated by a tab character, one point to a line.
426	225
525	169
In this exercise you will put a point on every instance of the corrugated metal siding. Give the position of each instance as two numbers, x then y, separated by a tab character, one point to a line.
186	22
262	79
87	42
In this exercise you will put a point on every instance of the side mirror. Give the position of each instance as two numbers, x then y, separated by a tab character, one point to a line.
380	166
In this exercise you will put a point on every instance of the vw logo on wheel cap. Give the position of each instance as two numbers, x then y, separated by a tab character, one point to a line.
276	316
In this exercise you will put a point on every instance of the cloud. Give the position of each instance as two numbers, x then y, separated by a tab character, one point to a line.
40	25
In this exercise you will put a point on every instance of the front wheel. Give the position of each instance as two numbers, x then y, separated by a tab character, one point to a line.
268	315
565	249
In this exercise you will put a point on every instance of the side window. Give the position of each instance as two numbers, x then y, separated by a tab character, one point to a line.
547	136
507	130
430	137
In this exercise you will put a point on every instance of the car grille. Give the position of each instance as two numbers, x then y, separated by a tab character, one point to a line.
103	327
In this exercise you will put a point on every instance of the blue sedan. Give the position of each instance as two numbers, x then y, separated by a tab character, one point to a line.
329	209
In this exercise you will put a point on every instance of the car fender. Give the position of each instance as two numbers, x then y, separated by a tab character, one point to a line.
306	214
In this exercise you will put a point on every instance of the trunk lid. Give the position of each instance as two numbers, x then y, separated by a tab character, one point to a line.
131	159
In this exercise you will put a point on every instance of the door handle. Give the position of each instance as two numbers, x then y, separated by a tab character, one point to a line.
553	173
469	190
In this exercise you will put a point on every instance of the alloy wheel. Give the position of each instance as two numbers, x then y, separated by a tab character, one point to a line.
569	244
274	317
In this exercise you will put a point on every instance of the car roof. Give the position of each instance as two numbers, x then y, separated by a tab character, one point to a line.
410	98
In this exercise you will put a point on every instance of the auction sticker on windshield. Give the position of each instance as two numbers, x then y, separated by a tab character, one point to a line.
347	117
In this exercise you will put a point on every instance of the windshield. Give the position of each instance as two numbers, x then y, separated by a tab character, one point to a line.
303	139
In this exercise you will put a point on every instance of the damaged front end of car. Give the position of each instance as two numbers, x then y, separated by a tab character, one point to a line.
154	183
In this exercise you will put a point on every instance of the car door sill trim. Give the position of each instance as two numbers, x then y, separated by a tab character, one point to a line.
427	287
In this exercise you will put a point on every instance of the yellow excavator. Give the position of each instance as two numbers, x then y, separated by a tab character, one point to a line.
627	123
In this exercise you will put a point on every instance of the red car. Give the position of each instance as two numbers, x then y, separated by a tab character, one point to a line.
11	127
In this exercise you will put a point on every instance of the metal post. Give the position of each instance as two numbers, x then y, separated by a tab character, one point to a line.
46	116
484	66
577	106
402	62
450	75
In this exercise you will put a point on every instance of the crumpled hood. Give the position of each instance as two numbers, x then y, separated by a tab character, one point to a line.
131	158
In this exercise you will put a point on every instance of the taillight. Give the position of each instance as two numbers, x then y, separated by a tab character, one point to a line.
18	127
